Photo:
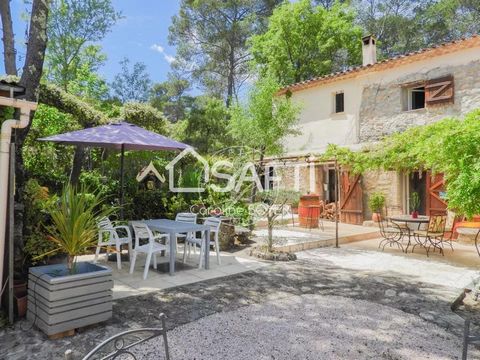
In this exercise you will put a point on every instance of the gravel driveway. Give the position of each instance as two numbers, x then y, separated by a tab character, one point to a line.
310	327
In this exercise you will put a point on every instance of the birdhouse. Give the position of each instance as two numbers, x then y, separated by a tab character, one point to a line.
149	177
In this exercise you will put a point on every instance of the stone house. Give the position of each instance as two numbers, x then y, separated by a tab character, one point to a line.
360	105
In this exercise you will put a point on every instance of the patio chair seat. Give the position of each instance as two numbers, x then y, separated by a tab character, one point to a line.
392	230
427	233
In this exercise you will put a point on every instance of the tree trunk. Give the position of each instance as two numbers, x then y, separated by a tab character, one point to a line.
231	78
270	234
78	160
31	75
8	38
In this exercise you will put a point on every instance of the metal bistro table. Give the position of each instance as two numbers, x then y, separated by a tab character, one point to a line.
408	219
173	228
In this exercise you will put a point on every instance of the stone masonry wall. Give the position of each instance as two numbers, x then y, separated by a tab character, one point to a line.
387	182
382	113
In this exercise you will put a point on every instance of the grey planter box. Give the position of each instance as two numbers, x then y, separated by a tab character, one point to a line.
58	302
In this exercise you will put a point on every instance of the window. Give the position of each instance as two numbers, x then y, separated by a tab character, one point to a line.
339	102
416	98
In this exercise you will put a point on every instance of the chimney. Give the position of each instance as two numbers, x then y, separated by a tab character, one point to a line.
369	50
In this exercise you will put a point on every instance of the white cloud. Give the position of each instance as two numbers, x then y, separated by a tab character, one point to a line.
158	48
170	59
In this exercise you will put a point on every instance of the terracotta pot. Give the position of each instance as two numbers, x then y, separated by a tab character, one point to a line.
19	287
415	215
376	217
21	304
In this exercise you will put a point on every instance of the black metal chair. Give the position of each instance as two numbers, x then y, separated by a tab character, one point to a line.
433	236
468	339
391	232
121	346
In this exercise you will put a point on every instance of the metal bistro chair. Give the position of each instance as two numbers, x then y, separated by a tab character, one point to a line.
214	224
433	236
391	232
108	235
468	339
121	346
152	248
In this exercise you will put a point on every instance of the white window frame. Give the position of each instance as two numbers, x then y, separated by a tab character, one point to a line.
410	92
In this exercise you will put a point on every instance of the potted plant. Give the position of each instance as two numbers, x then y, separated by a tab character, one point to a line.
376	202
294	206
415	204
63	297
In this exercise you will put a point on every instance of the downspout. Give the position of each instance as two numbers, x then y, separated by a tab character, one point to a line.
5	138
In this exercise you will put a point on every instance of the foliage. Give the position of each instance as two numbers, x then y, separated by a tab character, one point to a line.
206	126
265	120
171	99
145	116
75	220
48	162
72	59
415	201
376	202
132	84
37	201
402	26
450	146
304	41
210	38
154	204
83	112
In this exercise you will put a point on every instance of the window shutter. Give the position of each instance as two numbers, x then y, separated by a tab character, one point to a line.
439	91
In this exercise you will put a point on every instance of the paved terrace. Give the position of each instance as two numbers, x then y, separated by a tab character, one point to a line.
413	285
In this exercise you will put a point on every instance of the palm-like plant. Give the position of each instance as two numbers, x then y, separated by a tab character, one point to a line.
74	222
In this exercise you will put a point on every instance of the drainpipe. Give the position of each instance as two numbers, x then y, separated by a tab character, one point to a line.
25	108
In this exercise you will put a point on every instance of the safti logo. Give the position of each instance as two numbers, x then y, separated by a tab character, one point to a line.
247	172
171	173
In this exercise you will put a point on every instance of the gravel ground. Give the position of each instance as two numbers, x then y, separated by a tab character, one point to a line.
310	327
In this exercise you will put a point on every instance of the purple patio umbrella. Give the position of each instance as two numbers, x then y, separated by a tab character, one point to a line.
121	136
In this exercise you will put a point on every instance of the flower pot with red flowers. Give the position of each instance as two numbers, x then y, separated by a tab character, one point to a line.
415	204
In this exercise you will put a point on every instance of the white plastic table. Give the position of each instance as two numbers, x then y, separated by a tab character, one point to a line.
173	228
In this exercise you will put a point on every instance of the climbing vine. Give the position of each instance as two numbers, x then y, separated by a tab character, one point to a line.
450	146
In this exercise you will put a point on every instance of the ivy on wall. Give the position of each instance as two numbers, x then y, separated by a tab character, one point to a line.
450	146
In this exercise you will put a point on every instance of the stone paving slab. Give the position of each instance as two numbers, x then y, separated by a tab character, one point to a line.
321	272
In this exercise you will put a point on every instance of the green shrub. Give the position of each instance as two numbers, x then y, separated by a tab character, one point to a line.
376	202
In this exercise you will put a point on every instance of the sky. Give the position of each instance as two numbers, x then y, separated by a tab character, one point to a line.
142	35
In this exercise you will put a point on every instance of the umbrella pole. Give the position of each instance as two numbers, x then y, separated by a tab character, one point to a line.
122	175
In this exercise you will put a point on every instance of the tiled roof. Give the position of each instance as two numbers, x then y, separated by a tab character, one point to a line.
436	50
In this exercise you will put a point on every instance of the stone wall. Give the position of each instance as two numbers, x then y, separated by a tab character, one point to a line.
287	175
387	182
382	107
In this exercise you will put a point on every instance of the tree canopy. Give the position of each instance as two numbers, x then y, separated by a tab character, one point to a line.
211	37
304	41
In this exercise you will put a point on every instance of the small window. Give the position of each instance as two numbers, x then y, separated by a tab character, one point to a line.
339	102
416	98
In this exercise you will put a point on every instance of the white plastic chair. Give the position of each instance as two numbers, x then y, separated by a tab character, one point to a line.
142	231
109	236
214	224
186	218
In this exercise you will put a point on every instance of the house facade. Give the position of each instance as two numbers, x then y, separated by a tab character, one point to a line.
361	105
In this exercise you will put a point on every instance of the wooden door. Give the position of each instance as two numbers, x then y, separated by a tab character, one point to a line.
435	202
351	198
